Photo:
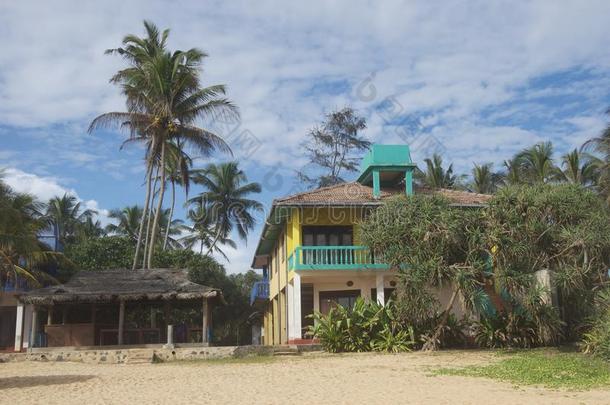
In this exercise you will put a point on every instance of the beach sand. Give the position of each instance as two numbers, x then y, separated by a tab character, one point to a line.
307	379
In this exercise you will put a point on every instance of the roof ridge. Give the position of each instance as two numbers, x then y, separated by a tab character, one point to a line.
317	190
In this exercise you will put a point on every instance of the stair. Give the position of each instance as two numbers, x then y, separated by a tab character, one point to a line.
286	350
139	357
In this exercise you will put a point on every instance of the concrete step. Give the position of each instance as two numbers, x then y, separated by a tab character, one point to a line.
140	357
286	350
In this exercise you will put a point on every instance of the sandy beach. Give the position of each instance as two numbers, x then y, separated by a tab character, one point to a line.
308	379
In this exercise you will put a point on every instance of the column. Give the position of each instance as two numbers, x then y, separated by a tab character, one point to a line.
34	328
206	321
49	315
409	181
296	313
376	184
290	314
19	327
121	321
380	292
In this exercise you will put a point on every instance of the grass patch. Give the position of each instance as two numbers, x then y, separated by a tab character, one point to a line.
548	368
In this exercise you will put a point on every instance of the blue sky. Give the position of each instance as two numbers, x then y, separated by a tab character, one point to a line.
476	80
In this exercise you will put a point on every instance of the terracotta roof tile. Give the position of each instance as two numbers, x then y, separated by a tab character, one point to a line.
357	194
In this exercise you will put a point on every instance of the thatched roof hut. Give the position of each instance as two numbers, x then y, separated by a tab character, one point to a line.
116	290
116	285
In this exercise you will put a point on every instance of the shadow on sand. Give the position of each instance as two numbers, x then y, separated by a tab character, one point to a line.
41	380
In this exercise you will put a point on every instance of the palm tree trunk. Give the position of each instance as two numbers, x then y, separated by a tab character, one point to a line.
149	218
214	242
431	343
171	214
146	205
153	235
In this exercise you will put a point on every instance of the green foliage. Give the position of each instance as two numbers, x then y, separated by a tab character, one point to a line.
330	148
365	327
551	369
596	340
431	244
110	252
506	331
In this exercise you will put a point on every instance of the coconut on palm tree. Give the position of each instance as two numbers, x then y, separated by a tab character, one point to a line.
165	101
226	200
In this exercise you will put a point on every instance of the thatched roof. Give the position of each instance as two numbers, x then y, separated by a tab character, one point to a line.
114	285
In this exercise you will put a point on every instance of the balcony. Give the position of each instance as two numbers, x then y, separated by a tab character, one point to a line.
259	292
334	258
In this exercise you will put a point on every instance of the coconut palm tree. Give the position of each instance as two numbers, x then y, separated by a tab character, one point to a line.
512	173
435	176
128	221
164	103
484	179
21	251
178	169
65	214
226	200
579	168
203	232
536	164
600	145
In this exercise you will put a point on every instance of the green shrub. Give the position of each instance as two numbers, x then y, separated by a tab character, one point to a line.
597	340
365	327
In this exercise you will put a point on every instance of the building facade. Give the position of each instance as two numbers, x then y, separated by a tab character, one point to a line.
311	253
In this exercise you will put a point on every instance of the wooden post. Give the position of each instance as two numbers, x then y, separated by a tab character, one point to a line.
64	315
153	317
121	321
50	316
34	328
170	336
206	320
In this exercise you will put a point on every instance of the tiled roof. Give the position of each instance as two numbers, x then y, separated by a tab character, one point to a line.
357	194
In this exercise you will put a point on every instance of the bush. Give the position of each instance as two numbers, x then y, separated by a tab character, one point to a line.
366	327
597	340
110	252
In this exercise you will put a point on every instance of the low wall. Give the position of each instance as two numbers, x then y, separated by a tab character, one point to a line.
138	355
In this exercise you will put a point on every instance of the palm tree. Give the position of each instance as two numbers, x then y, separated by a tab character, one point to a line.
21	251
512	174
536	163
164	102
579	168
179	166
226	201
203	232
435	175
65	215
601	146
485	180
128	221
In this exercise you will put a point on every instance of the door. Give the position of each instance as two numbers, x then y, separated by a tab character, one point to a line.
330	299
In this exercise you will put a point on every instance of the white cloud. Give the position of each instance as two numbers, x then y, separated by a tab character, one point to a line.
45	188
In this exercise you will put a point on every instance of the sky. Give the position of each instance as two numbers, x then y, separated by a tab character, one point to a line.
475	81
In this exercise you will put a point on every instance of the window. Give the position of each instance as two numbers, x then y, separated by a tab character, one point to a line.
327	235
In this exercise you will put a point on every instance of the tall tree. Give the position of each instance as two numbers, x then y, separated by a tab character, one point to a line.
435	175
21	251
165	101
579	168
65	214
484	179
128	221
203	232
330	148
536	164
226	199
601	147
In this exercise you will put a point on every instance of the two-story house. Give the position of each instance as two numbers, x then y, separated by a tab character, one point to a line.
311	252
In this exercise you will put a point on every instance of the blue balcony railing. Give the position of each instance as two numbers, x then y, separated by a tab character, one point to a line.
334	258
260	291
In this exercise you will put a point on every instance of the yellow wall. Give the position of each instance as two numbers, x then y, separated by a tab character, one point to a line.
289	239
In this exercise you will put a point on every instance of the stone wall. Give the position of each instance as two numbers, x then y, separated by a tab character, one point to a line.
140	355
